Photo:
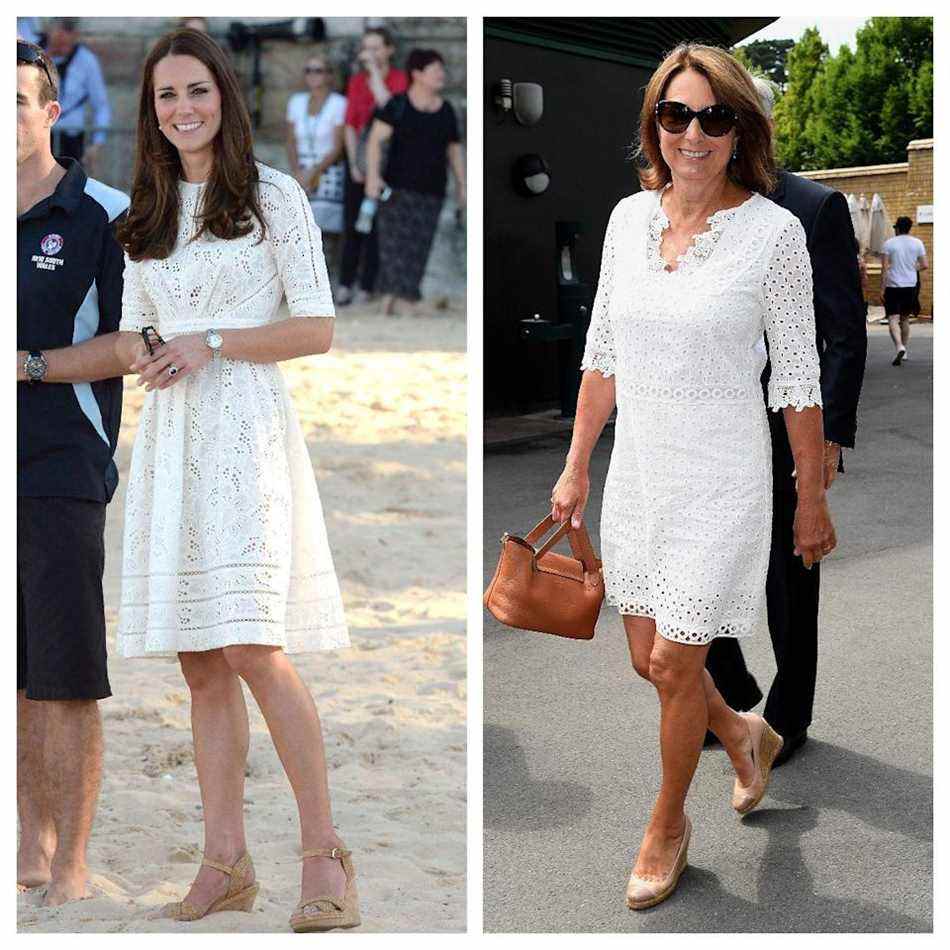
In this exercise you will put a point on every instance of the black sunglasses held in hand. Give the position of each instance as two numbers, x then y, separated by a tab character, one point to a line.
152	339
675	118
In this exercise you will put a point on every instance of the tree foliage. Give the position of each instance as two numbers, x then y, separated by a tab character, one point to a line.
767	58
857	108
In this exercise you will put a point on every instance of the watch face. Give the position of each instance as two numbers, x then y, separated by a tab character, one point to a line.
214	340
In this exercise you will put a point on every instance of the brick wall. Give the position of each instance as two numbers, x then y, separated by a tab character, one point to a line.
903	186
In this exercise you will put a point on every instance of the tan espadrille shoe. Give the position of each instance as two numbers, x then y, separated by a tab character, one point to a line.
644	892
240	895
766	745
328	912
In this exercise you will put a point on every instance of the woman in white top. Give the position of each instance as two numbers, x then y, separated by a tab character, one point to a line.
695	268
315	120
226	563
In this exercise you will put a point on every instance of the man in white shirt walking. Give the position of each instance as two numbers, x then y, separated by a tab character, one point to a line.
902	258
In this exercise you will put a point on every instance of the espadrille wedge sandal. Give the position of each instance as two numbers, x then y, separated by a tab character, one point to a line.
240	895
766	745
643	892
327	912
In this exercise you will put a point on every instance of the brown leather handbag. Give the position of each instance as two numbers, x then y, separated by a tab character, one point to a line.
536	589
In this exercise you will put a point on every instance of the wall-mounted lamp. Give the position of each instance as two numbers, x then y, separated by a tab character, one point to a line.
525	99
531	176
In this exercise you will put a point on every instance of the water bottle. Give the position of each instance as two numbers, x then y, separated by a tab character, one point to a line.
364	222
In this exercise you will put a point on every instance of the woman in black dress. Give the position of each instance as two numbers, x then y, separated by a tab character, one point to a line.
422	133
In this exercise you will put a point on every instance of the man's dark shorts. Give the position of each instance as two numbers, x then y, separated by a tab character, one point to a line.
899	301
61	627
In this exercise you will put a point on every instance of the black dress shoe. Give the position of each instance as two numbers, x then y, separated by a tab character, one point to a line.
790	746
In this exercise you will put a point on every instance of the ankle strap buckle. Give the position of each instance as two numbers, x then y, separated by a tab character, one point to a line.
335	853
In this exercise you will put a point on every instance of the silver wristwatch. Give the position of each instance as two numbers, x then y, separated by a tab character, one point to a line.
214	341
35	366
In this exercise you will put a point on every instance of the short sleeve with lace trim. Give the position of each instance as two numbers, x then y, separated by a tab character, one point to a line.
599	351
298	248
138	311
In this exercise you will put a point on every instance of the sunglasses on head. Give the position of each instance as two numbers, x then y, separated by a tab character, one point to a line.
32	57
675	118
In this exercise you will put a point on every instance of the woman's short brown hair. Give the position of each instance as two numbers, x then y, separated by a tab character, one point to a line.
754	166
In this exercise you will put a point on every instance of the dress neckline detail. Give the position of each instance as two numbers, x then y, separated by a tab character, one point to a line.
703	243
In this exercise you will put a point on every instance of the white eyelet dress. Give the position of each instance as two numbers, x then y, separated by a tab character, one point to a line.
687	507
224	538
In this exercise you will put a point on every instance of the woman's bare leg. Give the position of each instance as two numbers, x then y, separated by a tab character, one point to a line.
221	736
294	725
689	702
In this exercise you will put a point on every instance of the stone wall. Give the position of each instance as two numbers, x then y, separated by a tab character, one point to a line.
123	43
903	186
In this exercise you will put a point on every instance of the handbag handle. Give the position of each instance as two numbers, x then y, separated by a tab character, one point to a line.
579	540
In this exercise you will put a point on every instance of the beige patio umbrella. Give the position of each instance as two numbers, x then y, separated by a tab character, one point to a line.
853	211
879	229
862	227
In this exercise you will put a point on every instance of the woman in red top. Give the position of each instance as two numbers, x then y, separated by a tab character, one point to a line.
370	89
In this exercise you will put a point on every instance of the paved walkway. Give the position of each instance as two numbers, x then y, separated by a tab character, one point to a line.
842	842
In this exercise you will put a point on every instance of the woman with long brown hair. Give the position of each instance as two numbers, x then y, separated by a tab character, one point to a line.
696	270
226	563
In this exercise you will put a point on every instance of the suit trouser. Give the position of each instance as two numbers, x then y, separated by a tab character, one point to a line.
357	247
792	597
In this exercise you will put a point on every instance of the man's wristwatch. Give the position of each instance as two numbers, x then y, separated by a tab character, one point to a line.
35	366
214	341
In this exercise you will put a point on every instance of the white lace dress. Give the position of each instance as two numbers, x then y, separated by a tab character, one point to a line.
225	541
687	506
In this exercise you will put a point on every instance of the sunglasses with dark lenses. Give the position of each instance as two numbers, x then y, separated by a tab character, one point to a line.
314	69
675	118
31	57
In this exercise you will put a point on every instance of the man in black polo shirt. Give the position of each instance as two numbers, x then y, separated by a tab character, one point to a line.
69	399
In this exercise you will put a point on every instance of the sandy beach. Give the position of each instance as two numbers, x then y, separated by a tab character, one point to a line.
384	416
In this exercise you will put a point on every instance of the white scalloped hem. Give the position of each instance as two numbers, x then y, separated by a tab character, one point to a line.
801	397
678	635
602	365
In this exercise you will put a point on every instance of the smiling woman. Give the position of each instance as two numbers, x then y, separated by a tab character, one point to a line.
226	562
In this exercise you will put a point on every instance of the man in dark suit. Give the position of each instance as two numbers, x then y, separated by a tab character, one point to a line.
791	590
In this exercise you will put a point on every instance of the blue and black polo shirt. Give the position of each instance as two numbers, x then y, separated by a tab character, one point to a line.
69	289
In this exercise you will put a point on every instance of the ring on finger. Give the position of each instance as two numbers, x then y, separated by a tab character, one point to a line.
173	370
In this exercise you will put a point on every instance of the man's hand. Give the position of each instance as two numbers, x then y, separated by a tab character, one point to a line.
21	376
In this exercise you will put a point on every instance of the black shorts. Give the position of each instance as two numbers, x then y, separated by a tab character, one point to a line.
61	625
900	301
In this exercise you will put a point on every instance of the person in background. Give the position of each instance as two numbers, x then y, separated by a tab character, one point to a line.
81	83
69	402
370	89
315	120
28	30
792	589
902	259
422	131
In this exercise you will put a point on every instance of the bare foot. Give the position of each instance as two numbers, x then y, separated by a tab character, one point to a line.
65	887
658	851
33	861
322	876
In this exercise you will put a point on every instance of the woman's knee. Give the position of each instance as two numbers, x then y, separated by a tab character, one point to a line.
205	670
672	668
251	660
